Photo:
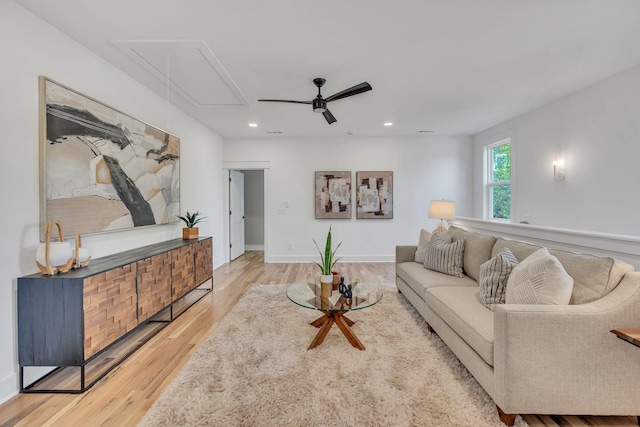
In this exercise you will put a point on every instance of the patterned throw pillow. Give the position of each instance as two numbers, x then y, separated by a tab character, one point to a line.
539	279
445	257
493	277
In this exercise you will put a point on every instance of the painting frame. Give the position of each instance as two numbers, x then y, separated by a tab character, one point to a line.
102	170
374	194
332	196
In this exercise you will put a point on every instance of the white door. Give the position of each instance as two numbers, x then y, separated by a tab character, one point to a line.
236	214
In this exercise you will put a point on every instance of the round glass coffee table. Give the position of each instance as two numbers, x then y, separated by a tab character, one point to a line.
308	295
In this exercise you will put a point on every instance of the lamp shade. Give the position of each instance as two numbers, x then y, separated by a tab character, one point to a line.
442	209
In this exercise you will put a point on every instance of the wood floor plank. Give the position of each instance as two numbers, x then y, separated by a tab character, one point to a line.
124	395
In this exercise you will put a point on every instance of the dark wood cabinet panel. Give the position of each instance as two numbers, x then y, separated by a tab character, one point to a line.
50	331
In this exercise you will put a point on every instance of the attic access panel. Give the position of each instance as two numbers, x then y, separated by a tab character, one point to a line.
189	67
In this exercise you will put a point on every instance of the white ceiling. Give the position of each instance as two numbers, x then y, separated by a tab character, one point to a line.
448	66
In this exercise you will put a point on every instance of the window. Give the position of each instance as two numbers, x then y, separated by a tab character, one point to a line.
498	180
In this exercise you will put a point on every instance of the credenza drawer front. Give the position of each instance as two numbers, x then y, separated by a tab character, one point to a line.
154	285
109	303
183	276
204	261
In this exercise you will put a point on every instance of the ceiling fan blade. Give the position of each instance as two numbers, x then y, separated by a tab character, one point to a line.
285	100
327	115
362	87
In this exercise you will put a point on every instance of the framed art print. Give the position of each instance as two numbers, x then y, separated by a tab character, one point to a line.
333	195
374	195
100	169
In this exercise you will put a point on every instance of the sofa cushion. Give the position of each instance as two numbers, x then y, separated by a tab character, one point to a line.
477	250
493	278
423	245
445	236
593	276
445	257
520	249
539	279
461	309
419	279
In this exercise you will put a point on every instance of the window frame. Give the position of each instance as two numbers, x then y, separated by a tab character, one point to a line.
489	184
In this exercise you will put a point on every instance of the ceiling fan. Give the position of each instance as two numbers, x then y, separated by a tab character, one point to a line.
320	104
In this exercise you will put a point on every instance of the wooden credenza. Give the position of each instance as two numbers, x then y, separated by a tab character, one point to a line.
87	321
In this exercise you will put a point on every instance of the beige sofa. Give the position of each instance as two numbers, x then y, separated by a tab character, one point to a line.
536	359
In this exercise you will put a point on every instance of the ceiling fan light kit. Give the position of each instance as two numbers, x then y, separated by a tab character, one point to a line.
319	103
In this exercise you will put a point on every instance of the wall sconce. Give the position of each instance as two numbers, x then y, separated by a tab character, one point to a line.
442	209
558	174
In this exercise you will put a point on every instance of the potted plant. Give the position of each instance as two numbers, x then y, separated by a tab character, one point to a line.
191	219
327	261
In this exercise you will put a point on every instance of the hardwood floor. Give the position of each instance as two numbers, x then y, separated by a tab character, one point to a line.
126	393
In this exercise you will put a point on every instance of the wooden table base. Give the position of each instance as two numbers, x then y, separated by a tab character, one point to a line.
326	321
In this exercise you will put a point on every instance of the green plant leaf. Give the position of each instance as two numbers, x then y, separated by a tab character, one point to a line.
327	254
327	259
333	254
191	219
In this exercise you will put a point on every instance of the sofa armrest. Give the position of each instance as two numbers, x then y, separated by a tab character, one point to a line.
564	360
405	253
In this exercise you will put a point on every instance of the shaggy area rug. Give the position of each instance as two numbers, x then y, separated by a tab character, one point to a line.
254	370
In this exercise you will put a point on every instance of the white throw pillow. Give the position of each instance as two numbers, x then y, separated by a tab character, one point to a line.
539	279
445	257
493	277
423	245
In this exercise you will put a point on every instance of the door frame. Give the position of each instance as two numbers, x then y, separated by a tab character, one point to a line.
246	165
234	173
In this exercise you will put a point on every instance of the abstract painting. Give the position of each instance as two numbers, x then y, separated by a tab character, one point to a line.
375	195
100	169
333	195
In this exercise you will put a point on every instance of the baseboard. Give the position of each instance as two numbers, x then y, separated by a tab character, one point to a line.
297	259
254	247
8	387
217	262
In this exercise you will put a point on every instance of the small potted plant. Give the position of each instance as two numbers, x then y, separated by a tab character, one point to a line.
191	219
327	261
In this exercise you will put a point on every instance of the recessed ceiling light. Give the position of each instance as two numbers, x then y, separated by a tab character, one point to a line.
388	124
253	125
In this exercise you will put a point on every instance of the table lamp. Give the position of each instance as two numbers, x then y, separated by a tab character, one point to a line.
442	209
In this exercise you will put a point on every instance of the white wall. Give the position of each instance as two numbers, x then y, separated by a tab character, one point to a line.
424	168
596	132
29	48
